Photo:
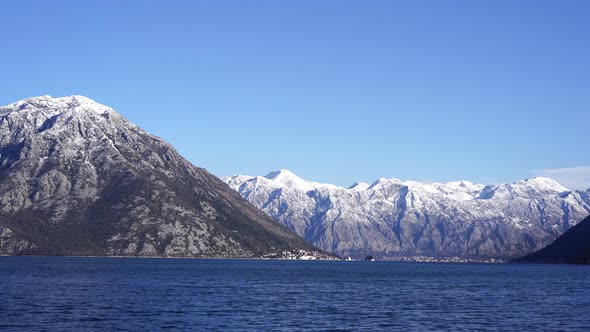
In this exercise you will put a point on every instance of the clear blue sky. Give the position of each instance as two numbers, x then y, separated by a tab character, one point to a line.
336	91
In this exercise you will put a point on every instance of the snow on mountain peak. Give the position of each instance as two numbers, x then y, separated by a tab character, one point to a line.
287	178
282	175
55	105
545	183
384	182
359	186
456	190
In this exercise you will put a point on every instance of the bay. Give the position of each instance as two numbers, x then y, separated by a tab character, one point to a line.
132	294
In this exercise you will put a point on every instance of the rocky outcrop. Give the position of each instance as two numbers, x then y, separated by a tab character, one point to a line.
76	178
11	244
393	219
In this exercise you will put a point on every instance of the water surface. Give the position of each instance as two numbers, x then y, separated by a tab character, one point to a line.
126	294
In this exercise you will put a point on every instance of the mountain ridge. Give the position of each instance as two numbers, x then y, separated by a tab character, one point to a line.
287	174
396	219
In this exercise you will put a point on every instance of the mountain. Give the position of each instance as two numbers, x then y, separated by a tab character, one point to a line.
76	178
572	246
393	219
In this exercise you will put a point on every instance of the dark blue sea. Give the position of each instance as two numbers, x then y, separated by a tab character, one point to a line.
128	294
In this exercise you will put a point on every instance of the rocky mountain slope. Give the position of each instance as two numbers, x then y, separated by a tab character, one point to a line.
573	246
76	178
395	219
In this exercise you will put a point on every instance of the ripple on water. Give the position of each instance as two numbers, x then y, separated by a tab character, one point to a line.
51	293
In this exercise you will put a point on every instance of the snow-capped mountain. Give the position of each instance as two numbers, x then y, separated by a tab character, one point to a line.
76	178
406	219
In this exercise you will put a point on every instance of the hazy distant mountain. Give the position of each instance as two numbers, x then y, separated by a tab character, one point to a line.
571	247
76	178
391	218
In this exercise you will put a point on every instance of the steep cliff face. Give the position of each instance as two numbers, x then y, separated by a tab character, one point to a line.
76	178
405	219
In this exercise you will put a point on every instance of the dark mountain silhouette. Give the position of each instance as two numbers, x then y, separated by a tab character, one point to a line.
571	247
